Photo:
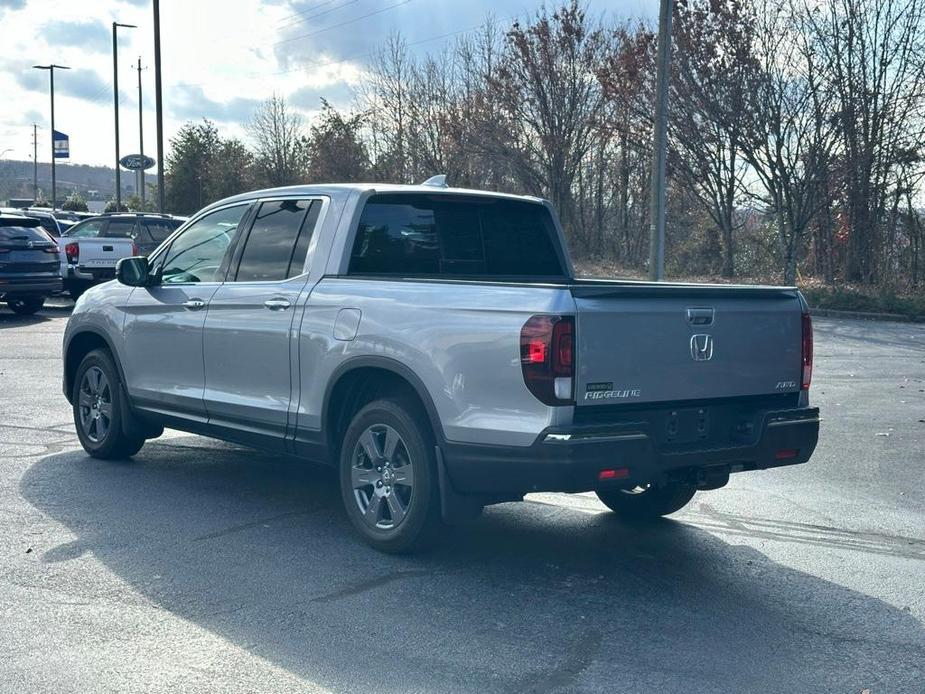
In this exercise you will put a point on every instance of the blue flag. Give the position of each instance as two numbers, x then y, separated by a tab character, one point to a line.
62	145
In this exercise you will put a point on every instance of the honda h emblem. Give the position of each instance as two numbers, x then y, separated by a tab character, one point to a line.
701	347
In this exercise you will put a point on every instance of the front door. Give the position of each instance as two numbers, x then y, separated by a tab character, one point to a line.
248	344
163	329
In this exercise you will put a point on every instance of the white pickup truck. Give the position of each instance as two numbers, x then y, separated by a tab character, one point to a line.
94	246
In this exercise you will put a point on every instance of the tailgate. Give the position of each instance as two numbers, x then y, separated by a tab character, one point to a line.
29	261
656	343
103	254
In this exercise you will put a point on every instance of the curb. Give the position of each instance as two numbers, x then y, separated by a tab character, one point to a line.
859	315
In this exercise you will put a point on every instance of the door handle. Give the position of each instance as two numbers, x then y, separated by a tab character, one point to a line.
277	304
195	304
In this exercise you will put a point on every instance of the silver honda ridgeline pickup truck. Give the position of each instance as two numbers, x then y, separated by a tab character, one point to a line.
434	345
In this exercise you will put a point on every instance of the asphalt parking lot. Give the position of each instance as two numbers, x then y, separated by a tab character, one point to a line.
200	566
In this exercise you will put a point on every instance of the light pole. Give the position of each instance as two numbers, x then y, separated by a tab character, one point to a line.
51	81
115	104
35	163
158	105
140	174
657	202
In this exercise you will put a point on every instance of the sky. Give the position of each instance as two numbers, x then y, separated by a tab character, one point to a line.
220	60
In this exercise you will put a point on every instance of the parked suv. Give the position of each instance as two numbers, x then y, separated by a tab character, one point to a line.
435	346
94	246
29	267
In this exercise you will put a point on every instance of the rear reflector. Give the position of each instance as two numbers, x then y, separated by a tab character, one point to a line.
786	453
807	351
614	474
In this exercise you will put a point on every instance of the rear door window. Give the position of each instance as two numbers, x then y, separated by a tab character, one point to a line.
455	235
159	229
278	241
120	229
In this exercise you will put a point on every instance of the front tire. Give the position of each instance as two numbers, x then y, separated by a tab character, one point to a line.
98	409
27	305
647	503
388	477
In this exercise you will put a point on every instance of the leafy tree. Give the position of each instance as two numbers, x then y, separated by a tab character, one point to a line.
233	170
75	203
135	204
337	153
189	162
111	207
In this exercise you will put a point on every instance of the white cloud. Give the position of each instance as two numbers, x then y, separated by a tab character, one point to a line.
220	59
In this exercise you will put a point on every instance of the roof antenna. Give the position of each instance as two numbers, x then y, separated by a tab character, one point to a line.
436	181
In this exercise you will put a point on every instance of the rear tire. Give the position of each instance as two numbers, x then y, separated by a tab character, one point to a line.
388	477
648	504
98	409
27	305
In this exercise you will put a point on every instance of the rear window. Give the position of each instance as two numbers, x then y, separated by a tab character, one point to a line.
455	235
11	233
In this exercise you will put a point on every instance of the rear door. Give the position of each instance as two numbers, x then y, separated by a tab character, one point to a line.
248	339
645	344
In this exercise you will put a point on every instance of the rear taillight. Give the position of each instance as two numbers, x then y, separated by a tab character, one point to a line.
807	351
72	251
547	347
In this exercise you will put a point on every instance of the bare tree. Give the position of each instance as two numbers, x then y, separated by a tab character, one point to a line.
713	44
874	55
279	142
787	140
552	103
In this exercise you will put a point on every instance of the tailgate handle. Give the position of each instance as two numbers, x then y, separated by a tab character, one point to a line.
107	248
700	316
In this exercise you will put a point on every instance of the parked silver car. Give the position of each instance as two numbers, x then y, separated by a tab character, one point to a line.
434	344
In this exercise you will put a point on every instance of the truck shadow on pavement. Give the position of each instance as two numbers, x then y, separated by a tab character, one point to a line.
531	597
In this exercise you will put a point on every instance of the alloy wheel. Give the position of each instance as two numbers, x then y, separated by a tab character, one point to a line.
382	476
95	403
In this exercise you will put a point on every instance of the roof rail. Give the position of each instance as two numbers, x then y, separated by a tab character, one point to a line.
436	181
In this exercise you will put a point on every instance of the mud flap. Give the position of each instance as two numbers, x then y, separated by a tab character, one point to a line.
132	424
455	508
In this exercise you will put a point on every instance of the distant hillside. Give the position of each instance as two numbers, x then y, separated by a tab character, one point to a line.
16	180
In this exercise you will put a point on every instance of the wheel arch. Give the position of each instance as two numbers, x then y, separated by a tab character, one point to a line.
360	380
78	346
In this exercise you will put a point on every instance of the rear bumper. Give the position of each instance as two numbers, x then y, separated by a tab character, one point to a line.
570	459
30	286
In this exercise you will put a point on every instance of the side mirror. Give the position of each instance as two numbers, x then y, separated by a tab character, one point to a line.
133	271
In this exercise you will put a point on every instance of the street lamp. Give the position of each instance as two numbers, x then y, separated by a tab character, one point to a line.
51	80
115	104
